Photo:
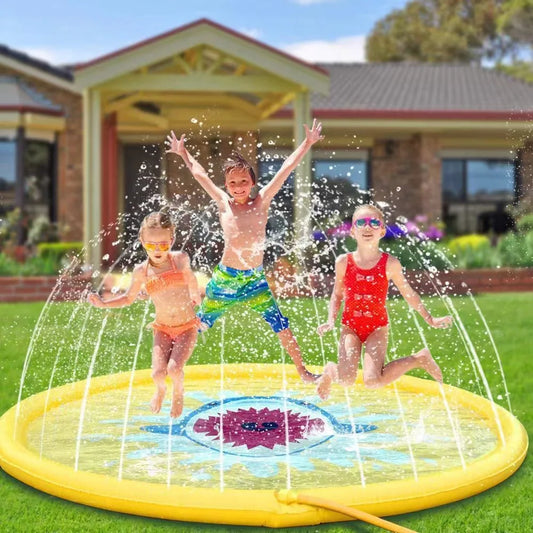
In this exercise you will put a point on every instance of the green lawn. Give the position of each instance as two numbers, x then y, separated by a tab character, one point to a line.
505	508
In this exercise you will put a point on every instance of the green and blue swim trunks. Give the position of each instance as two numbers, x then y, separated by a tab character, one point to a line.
230	286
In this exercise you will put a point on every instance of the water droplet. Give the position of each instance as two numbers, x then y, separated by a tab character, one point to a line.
194	120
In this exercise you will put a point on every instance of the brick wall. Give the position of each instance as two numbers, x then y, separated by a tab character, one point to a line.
526	176
414	166
38	288
70	154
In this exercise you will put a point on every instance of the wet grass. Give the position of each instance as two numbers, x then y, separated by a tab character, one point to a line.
505	508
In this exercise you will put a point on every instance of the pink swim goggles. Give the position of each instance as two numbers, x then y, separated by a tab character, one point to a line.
373	223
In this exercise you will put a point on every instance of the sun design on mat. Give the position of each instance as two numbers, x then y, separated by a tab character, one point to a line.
259	427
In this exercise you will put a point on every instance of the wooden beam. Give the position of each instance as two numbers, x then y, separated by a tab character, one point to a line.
178	60
143	116
200	81
272	106
127	101
214	66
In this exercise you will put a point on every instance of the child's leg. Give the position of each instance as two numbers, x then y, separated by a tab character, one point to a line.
345	371
183	347
160	355
290	344
376	375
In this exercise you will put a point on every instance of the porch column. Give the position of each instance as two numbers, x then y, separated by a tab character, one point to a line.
109	199
19	181
92	168
302	173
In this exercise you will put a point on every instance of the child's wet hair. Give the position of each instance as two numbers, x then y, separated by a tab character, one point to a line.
236	160
158	220
371	207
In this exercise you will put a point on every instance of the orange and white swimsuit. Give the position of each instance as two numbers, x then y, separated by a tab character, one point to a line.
164	281
365	296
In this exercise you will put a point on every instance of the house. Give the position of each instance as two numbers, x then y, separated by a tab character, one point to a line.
84	143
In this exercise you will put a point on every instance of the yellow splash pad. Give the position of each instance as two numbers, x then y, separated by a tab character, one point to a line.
250	432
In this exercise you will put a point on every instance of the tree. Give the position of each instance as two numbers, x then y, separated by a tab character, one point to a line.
516	20
440	31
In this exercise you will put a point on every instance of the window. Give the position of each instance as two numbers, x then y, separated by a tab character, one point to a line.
7	175
281	215
475	194
338	185
39	179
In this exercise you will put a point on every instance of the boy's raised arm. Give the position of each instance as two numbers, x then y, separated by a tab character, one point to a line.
311	137
177	146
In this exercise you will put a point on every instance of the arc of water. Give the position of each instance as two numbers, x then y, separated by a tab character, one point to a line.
355	437
86	393
402	413
472	352
496	351
487	330
286	420
453	422
50	382
451	309
169	451
130	389
221	423
31	347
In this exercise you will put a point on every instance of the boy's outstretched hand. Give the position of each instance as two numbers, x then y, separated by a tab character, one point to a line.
440	322
313	135
177	146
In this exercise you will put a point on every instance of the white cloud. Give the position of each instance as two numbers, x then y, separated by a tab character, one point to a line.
254	33
341	50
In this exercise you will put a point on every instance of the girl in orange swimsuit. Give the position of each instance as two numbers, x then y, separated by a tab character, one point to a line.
362	281
169	281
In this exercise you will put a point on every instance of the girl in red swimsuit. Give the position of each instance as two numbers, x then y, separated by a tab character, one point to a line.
169	281
362	281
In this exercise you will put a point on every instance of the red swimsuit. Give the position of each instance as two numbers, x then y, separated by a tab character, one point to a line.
365	294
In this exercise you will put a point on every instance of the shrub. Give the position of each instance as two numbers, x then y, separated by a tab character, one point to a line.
525	223
58	251
34	266
516	249
474	251
415	255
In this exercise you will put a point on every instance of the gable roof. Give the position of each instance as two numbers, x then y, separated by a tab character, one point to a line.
199	33
15	95
371	89
36	68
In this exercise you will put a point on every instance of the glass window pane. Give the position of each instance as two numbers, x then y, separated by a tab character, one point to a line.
337	186
281	214
490	181
7	175
38	178
453	179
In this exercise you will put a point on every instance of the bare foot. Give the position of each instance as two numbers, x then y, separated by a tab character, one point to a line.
429	365
323	388
157	400
308	377
177	405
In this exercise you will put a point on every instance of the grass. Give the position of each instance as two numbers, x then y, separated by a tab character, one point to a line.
505	508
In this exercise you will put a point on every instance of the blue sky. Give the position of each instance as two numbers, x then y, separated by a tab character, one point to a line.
64	31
